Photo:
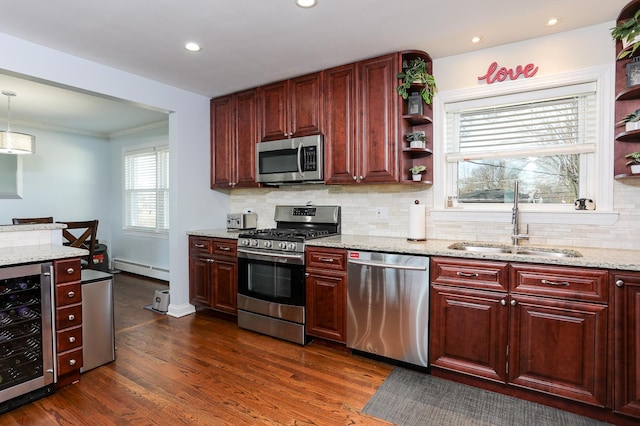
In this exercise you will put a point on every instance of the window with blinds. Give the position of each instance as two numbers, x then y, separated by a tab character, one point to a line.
546	142
146	189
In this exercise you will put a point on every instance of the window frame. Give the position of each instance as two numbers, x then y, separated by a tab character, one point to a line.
602	168
155	147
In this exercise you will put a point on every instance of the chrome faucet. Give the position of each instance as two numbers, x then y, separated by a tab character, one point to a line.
516	236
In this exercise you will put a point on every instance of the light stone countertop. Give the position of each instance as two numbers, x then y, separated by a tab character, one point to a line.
37	253
32	227
628	260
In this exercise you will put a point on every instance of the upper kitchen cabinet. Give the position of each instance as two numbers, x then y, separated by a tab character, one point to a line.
291	108
234	133
627	101
367	123
361	126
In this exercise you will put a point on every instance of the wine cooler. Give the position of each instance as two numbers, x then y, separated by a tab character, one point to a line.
26	334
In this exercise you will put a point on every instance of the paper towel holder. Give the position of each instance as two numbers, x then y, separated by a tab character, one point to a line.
421	238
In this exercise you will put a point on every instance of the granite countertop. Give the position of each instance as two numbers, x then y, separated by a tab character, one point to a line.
38	253
32	227
628	260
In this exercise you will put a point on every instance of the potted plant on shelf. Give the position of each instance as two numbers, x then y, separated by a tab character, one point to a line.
418	139
631	121
634	161
415	71
416	172
628	32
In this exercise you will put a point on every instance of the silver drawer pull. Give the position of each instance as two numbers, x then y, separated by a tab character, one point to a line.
224	248
72	339
467	275
199	245
71	294
72	362
71	317
70	271
325	259
555	283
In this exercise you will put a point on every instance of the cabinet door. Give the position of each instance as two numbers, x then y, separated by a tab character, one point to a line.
305	103
340	125
246	129
199	280
222	142
559	347
224	286
326	308
469	332
379	119
626	355
273	111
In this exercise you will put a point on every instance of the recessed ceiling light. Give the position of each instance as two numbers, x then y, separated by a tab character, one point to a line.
306	3
552	21
192	47
476	39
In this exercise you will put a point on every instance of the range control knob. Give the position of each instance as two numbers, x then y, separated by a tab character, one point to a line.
267	244
291	246
253	243
282	245
244	242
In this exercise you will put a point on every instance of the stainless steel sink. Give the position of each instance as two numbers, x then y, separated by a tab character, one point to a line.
521	250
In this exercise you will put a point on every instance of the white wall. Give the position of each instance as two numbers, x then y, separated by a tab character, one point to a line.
557	54
193	204
64	179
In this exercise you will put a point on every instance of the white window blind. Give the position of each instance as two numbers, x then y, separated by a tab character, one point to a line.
550	126
146	189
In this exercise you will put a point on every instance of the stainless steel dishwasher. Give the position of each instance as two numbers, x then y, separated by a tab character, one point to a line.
388	305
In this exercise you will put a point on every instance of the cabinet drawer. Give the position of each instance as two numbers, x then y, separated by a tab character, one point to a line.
69	316
69	339
69	361
200	246
558	281
225	247
67	270
68	294
470	273
332	259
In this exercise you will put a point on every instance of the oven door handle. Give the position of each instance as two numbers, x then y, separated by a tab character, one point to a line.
278	257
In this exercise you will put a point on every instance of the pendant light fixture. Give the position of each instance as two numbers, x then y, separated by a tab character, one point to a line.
12	142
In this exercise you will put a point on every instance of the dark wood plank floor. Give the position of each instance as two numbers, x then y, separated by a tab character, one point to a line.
204	370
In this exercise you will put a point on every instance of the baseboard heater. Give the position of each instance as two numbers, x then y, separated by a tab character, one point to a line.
141	269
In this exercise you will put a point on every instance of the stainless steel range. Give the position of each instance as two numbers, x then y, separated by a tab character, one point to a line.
271	270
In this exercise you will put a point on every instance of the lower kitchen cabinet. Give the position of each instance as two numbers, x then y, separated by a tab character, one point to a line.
626	350
68	319
326	293
547	333
213	273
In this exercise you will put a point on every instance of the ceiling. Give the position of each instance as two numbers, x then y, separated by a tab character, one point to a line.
246	43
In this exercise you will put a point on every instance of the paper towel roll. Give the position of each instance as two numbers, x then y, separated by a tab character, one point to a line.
417	222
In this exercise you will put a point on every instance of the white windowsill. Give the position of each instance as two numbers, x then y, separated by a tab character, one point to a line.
582	217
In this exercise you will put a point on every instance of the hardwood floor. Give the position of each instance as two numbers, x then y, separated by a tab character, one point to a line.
204	370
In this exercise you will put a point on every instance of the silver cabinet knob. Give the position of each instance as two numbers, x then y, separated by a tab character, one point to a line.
71	294
70	271
503	302
619	283
72	362
514	303
355	178
72	339
71	317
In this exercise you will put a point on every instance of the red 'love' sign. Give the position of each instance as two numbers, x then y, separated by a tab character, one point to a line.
501	74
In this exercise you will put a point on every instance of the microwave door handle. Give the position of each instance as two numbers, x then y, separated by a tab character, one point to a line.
300	159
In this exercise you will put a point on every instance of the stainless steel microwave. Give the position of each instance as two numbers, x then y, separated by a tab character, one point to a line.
290	161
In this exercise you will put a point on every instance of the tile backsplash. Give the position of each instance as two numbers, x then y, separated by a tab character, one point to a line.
359	204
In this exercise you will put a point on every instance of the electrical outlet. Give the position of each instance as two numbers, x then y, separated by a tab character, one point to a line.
381	212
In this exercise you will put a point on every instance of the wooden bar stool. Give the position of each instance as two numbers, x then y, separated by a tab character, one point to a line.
82	235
